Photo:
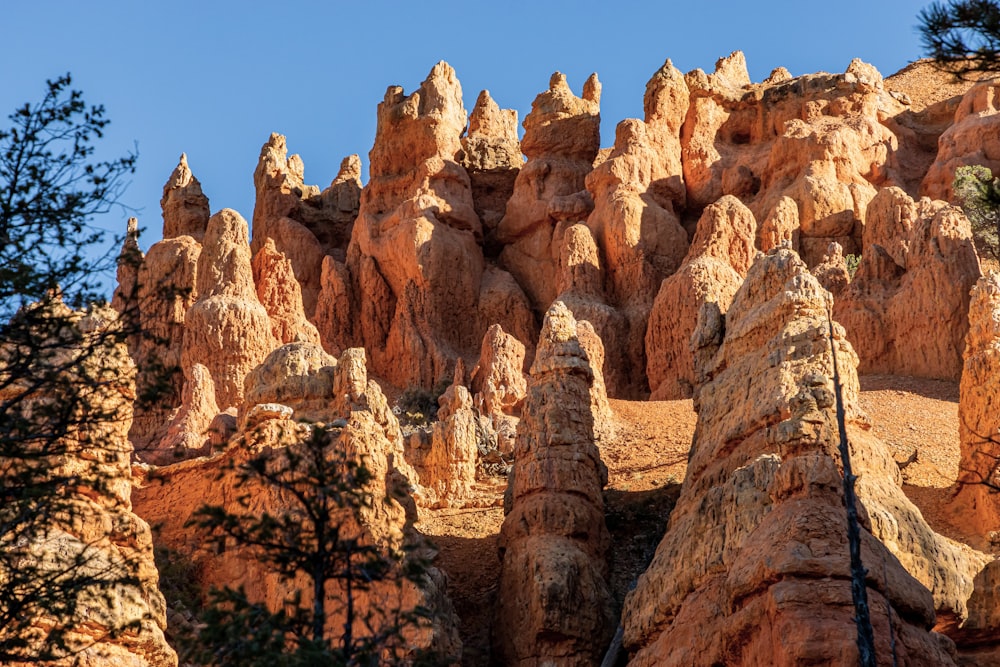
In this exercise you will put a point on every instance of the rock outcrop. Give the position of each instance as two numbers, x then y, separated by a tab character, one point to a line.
227	330
754	568
817	139
971	139
499	385
719	258
184	205
414	260
976	505
906	308
642	242
554	601
561	140
280	294
84	560
299	381
492	157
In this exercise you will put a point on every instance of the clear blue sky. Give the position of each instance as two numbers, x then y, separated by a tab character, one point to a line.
214	79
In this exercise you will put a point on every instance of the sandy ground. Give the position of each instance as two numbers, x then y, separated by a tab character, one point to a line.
646	464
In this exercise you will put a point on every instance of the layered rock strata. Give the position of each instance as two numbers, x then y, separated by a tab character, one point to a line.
554	601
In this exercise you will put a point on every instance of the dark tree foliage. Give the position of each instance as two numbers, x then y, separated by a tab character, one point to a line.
317	537
61	375
962	36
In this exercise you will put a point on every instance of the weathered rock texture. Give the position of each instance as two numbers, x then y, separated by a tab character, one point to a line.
754	568
227	330
300	381
816	139
184	205
92	544
642	241
977	503
304	223
905	311
971	139
281	296
415	263
499	385
554	601
561	140
492	156
719	258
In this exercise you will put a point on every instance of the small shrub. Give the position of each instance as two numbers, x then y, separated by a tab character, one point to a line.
418	406
853	262
978	193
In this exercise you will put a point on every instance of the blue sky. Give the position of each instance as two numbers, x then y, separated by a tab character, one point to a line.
214	79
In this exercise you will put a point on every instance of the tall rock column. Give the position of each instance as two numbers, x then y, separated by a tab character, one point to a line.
977	503
415	261
227	330
555	606
719	258
165	289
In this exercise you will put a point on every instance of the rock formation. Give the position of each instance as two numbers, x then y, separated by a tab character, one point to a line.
499	384
281	296
719	258
165	289
971	139
184	205
756	548
906	308
554	604
227	330
414	260
87	571
561	140
299	381
816	139
642	241
492	156
832	272
977	504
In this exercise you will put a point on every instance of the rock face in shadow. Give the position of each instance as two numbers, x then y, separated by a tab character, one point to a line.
719	258
906	308
554	603
754	568
492	157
